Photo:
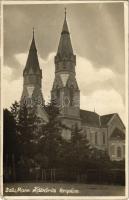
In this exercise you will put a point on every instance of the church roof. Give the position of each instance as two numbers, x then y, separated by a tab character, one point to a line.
90	118
105	119
65	46
117	134
32	64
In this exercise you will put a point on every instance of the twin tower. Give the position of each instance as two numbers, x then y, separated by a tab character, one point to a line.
65	90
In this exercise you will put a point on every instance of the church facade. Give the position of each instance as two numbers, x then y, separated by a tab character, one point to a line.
106	132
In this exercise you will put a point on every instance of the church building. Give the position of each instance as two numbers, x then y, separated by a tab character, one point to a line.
105	132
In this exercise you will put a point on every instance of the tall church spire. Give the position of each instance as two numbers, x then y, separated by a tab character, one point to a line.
32	95
65	47
65	60
32	75
32	63
65	91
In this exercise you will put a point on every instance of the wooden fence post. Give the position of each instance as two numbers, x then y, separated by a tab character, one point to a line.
45	175
42	174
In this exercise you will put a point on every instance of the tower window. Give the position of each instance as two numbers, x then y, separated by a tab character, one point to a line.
71	95
103	138
57	95
57	92
96	139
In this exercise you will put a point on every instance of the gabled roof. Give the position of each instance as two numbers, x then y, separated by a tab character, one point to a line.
94	120
117	134
90	118
32	64
106	118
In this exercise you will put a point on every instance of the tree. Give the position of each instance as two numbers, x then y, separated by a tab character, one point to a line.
80	148
15	108
28	128
74	153
10	145
28	132
51	136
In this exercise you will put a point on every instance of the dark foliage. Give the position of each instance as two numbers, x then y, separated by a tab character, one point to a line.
51	139
10	145
37	151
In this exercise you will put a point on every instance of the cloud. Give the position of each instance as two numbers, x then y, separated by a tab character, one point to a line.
7	73
104	102
91	78
97	31
89	74
98	86
12	90
21	58
48	75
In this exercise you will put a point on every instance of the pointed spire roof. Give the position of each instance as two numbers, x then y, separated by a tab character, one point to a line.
65	46
33	46
65	26
32	64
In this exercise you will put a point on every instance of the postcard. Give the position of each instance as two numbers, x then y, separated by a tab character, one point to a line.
64	100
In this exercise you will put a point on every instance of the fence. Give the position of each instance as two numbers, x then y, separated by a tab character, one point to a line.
94	176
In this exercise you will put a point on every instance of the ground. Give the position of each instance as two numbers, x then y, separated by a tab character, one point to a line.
62	189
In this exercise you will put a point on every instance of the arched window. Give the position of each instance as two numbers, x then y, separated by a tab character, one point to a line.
119	152
96	139
112	149
58	92
57	96
103	138
71	95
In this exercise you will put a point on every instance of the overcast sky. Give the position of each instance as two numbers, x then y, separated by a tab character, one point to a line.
97	35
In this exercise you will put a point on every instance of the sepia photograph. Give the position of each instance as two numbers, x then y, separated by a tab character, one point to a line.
64	99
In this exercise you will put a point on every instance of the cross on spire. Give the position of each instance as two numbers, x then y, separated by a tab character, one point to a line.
65	13
65	26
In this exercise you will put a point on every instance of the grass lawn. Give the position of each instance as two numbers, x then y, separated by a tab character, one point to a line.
62	189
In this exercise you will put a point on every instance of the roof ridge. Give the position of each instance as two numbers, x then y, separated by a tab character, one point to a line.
108	114
90	118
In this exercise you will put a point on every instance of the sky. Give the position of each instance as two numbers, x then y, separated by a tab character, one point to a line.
97	35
